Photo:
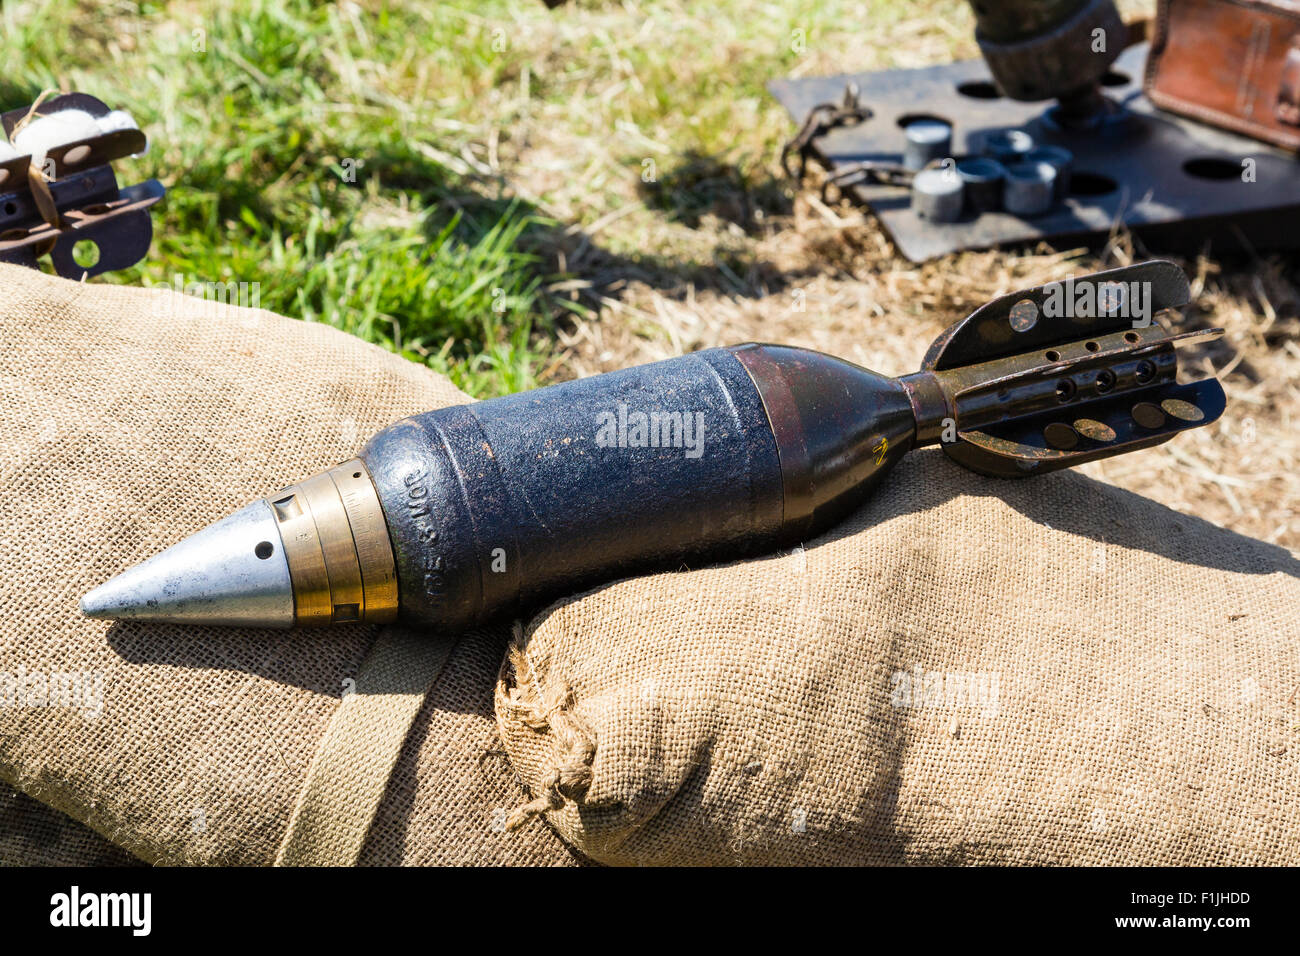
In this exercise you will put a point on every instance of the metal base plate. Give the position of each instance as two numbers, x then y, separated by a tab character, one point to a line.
1176	183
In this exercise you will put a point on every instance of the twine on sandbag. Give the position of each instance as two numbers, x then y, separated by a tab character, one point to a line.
522	701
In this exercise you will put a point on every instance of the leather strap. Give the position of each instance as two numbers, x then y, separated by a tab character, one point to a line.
349	774
1288	93
1230	63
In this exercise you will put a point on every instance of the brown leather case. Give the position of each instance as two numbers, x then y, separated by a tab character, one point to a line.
1231	63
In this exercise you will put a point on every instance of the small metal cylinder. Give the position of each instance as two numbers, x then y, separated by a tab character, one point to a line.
937	195
1007	146
1059	158
982	179
928	139
1029	189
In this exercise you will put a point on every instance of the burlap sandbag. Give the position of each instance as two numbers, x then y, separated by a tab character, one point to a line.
32	834
130	418
968	670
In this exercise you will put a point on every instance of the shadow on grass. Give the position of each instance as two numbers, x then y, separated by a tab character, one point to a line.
699	185
576	271
692	190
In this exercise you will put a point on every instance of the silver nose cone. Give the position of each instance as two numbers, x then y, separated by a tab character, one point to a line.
232	572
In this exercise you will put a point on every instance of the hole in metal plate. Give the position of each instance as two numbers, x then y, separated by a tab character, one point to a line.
85	253
1091	184
1213	168
979	90
1148	415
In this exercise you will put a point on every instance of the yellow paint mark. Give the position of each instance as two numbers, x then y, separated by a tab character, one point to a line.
880	448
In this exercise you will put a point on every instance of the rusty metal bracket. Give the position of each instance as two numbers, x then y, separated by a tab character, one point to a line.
1177	184
74	196
870	171
819	121
1288	94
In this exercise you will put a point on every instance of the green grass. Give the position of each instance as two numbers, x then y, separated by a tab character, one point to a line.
291	163
334	153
